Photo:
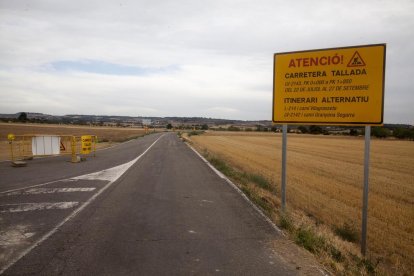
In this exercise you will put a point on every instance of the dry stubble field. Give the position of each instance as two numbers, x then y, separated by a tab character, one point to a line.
110	135
324	179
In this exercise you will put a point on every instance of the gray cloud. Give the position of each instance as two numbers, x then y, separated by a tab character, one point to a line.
223	49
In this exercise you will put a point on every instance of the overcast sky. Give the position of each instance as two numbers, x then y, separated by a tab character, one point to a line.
185	57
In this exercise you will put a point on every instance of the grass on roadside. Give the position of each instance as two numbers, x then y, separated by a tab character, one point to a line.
241	177
347	232
195	132
125	139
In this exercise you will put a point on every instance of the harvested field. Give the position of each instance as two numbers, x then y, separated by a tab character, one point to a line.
107	135
325	179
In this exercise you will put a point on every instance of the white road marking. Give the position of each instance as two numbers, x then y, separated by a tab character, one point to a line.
208	201
68	180
24	207
111	174
72	215
37	185
35	191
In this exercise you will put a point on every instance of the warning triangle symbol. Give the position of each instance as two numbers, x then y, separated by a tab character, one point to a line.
356	60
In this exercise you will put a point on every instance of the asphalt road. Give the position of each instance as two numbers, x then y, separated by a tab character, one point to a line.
55	168
165	212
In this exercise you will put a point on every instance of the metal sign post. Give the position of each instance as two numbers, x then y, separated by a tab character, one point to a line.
284	149
366	189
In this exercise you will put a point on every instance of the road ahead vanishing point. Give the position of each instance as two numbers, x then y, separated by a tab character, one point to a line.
150	206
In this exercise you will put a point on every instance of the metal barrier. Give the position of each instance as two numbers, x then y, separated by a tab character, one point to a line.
25	147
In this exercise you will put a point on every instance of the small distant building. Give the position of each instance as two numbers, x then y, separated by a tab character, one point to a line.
146	122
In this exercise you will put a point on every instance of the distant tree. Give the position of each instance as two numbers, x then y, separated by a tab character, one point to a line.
259	128
233	128
315	129
303	129
274	128
404	133
204	127
169	126
22	117
399	133
380	132
353	132
411	134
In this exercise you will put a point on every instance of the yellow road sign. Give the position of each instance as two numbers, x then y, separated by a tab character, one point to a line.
86	144
342	86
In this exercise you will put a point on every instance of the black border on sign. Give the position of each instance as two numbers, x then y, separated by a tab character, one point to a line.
329	123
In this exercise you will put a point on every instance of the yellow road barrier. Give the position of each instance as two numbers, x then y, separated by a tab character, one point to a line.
25	147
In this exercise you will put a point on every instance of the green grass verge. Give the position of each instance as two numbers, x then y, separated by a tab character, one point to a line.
195	132
286	222
243	179
308	239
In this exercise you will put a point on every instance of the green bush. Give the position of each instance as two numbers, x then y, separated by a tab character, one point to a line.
194	132
313	129
404	133
380	132
369	266
347	232
286	222
233	128
221	166
260	181
336	254
309	240
303	129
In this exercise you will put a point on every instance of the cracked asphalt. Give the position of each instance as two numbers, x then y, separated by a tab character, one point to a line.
169	214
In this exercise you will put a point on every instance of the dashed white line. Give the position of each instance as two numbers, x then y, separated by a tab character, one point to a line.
37	185
24	207
35	191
